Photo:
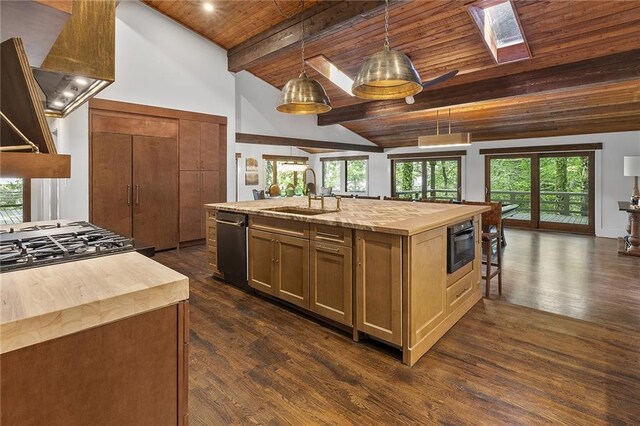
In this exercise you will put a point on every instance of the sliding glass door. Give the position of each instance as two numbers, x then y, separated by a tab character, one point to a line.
545	191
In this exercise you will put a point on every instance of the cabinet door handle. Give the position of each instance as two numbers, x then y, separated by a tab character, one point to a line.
128	195
137	195
461	293
329	236
333	249
278	251
273	251
201	164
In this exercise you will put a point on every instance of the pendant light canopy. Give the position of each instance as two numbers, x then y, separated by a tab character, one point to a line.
388	74
303	95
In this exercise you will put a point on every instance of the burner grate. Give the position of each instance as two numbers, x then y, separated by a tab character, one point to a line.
41	245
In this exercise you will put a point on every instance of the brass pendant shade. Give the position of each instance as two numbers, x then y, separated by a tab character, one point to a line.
388	74
303	95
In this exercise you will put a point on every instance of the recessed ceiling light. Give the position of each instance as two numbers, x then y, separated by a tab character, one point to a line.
81	81
208	7
68	94
58	103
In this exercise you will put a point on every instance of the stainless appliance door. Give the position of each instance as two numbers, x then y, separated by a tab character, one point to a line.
232	247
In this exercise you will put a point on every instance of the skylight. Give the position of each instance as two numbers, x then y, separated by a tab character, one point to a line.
500	29
321	64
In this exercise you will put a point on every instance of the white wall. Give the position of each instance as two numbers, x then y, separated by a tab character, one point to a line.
161	63
610	186
256	114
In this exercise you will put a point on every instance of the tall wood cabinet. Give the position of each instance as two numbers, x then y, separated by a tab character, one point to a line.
135	186
153	169
199	174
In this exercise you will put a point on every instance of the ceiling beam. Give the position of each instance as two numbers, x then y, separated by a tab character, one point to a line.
277	140
607	69
321	20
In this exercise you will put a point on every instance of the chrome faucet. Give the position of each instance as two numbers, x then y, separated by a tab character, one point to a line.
310	184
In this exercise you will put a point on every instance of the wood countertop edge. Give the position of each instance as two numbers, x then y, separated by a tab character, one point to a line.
395	228
29	331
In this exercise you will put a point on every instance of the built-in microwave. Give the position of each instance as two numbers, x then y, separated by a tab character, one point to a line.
460	245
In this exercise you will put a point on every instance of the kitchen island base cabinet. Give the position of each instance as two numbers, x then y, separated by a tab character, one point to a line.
131	371
331	281
279	266
379	285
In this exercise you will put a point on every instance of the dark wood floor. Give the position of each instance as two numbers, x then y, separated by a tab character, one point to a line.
252	361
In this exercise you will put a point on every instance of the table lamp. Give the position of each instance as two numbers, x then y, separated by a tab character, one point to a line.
632	168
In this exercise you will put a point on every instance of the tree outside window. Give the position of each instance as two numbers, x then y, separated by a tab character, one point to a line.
345	174
331	174
428	178
275	173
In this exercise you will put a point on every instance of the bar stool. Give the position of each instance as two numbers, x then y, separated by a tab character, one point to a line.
491	219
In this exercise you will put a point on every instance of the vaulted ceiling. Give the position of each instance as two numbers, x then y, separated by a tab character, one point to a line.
583	77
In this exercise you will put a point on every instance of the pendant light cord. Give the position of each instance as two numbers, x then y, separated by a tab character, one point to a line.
302	15
386	24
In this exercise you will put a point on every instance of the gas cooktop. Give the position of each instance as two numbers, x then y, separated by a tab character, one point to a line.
42	245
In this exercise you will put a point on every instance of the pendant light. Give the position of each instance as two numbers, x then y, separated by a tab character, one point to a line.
388	74
303	95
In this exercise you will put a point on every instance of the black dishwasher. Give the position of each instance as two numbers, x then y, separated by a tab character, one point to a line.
232	247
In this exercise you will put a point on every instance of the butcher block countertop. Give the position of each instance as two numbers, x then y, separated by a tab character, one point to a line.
43	303
390	217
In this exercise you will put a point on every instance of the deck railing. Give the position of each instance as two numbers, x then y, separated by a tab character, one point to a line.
437	194
11	198
553	202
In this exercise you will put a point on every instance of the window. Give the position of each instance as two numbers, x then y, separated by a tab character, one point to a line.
500	30
12	200
285	172
427	178
345	174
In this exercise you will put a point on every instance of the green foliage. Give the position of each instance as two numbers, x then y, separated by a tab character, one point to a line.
356	175
558	177
441	178
331	174
11	192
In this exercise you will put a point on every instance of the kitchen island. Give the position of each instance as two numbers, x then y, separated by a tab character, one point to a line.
102	340
377	267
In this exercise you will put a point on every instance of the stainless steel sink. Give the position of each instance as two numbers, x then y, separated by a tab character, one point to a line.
300	210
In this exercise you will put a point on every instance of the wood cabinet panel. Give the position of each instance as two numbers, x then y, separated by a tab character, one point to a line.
210	186
209	146
331	234
155	180
379	285
292	270
427	283
281	226
114	122
459	292
261	259
190	206
189	145
125	372
212	242
111	169
330	267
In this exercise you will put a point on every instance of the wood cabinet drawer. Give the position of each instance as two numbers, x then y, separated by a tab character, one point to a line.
459	292
211	215
333	234
280	226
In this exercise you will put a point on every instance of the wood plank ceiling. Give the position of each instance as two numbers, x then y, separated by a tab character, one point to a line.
440	36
